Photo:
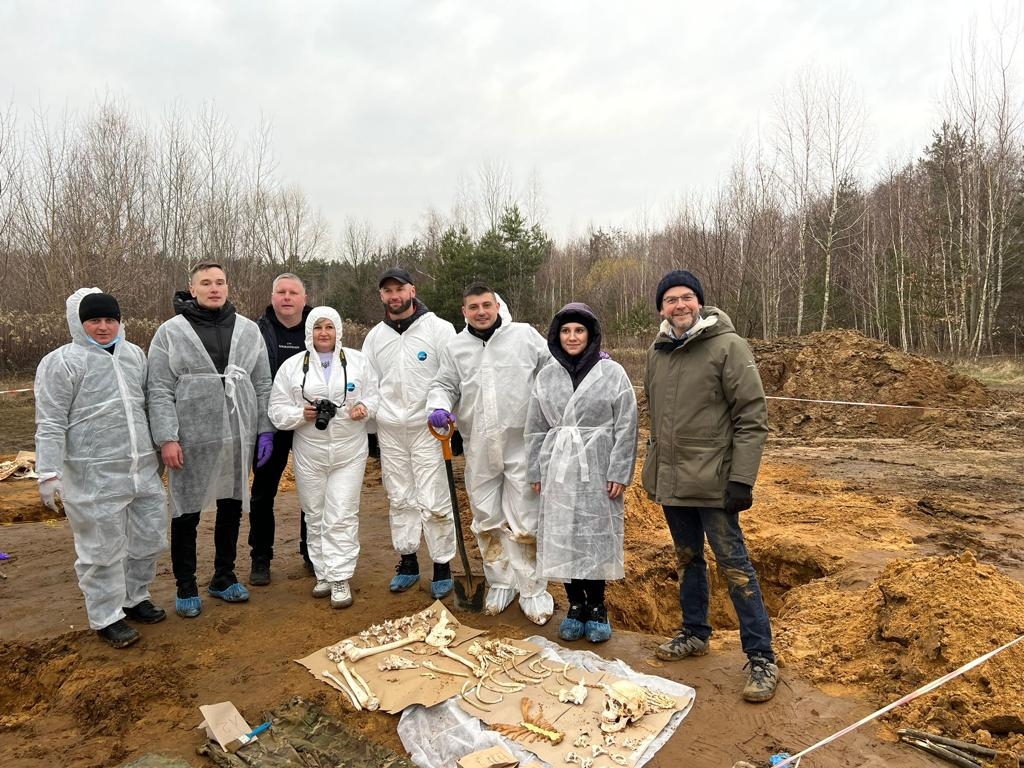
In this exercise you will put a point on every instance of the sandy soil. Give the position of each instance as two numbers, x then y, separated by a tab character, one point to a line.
888	546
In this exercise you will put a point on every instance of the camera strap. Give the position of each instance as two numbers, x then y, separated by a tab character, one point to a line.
344	370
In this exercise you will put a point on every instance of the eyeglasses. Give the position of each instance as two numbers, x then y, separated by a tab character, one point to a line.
685	298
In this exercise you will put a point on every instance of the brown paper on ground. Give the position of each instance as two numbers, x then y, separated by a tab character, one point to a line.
224	724
492	757
572	719
398	688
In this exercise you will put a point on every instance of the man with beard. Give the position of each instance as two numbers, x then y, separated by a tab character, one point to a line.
486	375
404	353
709	421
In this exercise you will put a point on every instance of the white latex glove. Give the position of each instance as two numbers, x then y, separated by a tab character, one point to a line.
49	490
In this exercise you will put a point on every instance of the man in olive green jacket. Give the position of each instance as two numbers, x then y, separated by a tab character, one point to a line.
709	421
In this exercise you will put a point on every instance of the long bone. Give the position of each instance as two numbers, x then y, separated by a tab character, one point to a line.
374	703
368	702
354	653
344	689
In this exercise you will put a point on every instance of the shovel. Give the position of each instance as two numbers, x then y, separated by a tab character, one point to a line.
466	597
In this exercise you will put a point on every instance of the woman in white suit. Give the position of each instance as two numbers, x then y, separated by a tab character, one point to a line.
326	396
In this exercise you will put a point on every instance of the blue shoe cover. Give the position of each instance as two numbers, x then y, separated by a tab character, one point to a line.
403	581
441	588
236	593
570	629
598	631
188	607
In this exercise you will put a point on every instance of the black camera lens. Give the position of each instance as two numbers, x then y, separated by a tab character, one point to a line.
325	411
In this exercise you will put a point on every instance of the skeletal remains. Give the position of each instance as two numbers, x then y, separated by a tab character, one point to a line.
625	703
533	726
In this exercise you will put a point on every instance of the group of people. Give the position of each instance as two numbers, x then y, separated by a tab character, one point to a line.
549	428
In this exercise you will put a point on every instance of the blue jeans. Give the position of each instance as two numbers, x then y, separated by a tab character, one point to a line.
688	526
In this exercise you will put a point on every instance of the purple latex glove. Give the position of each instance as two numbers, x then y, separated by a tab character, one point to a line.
264	447
440	419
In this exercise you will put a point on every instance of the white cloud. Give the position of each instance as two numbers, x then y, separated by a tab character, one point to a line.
379	108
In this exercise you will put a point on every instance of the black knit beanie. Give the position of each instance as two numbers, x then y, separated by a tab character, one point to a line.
679	277
97	305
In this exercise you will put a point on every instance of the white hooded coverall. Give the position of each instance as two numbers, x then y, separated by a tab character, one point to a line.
487	386
411	462
328	463
91	432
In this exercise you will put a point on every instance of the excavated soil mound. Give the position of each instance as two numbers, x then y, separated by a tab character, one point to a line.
919	620
848	366
38	677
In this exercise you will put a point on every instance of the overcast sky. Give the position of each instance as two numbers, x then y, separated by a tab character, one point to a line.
378	108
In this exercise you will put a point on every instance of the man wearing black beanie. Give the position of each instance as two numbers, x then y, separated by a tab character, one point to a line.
94	452
709	421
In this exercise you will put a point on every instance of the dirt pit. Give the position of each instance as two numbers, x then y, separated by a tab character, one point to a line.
859	530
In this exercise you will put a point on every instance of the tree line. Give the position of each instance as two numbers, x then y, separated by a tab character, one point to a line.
926	256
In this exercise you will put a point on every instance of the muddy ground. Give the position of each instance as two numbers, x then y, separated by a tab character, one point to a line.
889	545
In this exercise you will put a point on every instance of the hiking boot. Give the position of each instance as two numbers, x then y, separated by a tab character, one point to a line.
682	645
233	593
571	627
407	573
145	612
598	628
259	574
322	588
341	595
762	680
119	634
442	584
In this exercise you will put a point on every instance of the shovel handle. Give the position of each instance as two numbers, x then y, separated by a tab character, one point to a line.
445	438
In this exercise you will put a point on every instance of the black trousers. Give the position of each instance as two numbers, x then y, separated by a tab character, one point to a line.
585	591
265	480
225	541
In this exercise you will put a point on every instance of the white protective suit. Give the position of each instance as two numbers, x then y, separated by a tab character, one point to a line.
215	417
577	442
411	462
329	463
487	386
91	432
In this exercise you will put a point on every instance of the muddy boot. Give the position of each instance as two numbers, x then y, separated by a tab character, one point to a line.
145	612
118	634
259	574
762	680
682	645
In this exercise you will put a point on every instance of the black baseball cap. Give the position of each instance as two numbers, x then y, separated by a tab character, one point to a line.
396	273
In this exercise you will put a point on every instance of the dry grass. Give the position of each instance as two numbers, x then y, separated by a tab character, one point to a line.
1005	372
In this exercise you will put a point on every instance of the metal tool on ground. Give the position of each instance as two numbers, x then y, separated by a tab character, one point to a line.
467	596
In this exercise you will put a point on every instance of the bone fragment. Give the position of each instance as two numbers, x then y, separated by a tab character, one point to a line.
344	689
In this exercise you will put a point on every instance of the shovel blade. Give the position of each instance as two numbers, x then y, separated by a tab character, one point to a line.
469	600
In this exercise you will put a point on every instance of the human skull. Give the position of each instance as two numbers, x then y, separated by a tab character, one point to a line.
624	704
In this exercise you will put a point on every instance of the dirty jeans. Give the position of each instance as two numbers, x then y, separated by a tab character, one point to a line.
688	526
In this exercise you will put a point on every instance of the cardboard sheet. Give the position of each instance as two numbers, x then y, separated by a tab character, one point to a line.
574	720
397	689
225	725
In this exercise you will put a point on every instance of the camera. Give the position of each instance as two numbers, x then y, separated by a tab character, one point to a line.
325	411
